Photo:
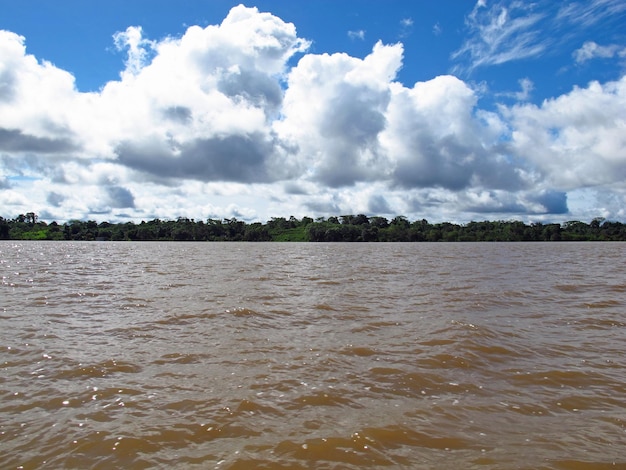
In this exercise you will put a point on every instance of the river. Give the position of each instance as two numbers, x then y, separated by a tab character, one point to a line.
312	356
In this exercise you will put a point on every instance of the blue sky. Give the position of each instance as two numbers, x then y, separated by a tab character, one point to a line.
444	110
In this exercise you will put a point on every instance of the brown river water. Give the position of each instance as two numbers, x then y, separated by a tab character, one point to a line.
312	356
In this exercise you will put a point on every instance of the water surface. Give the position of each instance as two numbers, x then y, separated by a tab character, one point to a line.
312	356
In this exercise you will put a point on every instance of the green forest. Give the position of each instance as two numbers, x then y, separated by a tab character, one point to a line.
345	228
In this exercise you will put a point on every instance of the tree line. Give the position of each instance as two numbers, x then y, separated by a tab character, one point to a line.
345	228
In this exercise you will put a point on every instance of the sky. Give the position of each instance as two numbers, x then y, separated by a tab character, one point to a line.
447	111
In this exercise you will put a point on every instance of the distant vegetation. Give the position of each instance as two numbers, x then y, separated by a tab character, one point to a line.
345	228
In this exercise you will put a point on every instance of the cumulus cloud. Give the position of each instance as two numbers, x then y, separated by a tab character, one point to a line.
223	121
14	141
242	158
378	205
577	139
139	48
527	87
12	51
336	134
435	139
205	101
553	202
524	202
120	197
37	102
212	85
55	199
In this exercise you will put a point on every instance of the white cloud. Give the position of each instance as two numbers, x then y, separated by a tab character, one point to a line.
590	12
215	87
36	98
138	47
501	33
406	25
591	50
358	34
336	133
526	87
435	138
218	122
506	31
577	139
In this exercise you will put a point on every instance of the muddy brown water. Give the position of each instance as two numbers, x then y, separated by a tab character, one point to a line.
312	356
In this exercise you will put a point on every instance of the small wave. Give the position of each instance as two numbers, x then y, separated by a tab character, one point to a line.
581	402
374	326
338	450
329	397
244	312
324	307
578	287
375	446
361	351
587	465
617	288
488	354
251	407
100	369
603	304
571	378
595	323
438	342
178	358
328	283
388	381
186	318
445	361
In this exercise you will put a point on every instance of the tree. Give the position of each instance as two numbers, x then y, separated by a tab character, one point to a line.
4	229
379	222
256	232
360	219
400	221
369	234
278	223
353	228
31	218
595	223
235	229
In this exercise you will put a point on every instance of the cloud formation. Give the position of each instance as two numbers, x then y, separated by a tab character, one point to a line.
240	118
575	140
357	34
591	50
508	31
591	12
501	33
336	133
